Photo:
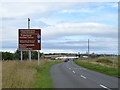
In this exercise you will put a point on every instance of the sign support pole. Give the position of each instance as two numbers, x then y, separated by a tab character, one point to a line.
21	56
29	50
30	55
38	57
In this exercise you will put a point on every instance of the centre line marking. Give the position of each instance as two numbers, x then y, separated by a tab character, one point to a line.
83	76
105	87
73	71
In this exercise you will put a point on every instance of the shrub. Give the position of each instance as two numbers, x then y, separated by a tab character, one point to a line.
104	60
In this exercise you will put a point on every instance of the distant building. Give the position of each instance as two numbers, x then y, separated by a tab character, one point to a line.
66	57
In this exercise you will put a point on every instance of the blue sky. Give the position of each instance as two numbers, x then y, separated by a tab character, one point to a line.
66	26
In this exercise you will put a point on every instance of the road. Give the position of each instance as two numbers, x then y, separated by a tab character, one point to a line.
70	75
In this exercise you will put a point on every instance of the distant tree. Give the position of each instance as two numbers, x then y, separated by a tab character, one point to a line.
7	56
17	55
35	55
25	55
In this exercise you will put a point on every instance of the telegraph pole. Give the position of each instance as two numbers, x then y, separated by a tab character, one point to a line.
88	48
29	28
79	55
28	23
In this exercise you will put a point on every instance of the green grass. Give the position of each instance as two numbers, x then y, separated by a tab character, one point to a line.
106	60
102	69
43	79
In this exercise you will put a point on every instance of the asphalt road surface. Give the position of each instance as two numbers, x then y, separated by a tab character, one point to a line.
70	75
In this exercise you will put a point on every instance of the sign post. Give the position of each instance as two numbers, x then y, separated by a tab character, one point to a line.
30	55
29	50
38	57
29	39
21	56
38	36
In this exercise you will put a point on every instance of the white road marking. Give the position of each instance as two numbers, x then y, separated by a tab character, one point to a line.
73	71
105	87
83	68
83	76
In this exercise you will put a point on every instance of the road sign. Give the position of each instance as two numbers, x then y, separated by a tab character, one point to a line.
29	39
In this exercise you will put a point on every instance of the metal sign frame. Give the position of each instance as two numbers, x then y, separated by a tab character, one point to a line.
35	37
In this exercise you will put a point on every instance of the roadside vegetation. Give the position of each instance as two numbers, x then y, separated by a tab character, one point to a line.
43	79
106	65
16	55
16	74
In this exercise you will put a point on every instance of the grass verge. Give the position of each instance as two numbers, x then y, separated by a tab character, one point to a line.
102	69
43	79
16	74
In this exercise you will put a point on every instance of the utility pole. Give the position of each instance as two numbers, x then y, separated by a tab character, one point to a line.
28	23
79	55
88	48
29	28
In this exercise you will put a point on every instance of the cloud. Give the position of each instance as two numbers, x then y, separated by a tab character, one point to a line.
69	29
99	45
73	36
60	1
83	10
31	9
44	9
9	34
59	37
114	5
12	44
106	17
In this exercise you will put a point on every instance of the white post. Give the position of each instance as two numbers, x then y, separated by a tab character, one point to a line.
21	56
38	57
30	55
29	28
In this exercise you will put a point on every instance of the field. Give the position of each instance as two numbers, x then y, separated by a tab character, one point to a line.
24	74
103	64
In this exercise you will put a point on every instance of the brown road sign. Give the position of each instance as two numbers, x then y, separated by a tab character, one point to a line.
29	39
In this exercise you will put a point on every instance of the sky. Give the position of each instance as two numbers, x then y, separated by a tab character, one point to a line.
66	26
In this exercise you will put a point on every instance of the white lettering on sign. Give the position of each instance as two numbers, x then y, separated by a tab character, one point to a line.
27	41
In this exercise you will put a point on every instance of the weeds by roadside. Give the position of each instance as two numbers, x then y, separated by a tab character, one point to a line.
103	65
16	74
